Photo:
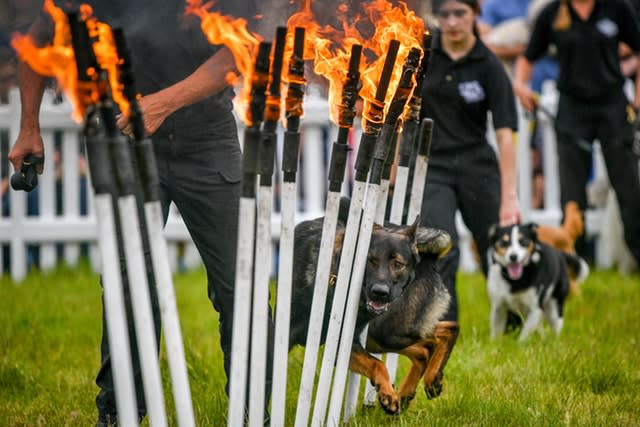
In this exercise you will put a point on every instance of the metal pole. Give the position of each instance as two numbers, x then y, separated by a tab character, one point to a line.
290	151
381	153
103	180
148	176
420	171
337	166
410	126
363	163
246	235
262	269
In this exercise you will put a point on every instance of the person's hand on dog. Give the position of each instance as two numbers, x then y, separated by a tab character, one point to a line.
510	211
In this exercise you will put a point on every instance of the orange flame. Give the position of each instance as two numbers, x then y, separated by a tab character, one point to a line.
58	59
234	34
329	47
55	60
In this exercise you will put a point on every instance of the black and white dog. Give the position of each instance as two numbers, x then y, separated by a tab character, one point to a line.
529	278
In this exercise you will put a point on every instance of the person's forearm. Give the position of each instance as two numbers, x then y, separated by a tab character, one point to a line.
523	70
636	99
31	89
507	160
209	78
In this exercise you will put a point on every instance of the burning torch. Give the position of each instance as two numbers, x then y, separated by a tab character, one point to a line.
390	129
410	127
346	115
266	159
246	235
101	134
98	93
368	149
148	176
293	103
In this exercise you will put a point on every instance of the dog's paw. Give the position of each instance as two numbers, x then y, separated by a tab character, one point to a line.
389	402
434	389
405	401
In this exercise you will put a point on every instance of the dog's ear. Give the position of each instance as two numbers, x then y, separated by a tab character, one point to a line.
493	233
433	241
532	229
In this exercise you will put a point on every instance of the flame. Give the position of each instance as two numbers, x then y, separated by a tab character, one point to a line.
54	60
58	59
104	48
234	34
329	47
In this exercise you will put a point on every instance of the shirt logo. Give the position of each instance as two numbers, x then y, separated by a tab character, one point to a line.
471	91
607	27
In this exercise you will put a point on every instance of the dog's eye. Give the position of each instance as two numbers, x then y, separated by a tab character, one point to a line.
525	241
397	265
373	261
503	243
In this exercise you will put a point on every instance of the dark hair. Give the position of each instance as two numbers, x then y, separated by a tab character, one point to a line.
474	4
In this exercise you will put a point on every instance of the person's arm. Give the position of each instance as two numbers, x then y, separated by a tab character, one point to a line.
206	80
521	78
32	87
509	206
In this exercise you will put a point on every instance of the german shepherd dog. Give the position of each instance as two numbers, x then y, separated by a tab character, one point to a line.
402	299
529	278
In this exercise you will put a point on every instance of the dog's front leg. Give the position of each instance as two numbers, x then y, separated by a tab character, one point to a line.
365	364
498	319
533	318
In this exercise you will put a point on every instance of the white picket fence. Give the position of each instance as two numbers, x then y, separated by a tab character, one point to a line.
70	229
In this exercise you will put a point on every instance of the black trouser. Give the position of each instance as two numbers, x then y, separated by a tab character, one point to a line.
467	180
200	171
577	126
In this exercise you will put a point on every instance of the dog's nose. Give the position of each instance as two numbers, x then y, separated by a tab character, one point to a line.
513	257
380	291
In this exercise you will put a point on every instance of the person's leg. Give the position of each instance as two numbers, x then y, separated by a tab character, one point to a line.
574	165
206	188
479	196
622	168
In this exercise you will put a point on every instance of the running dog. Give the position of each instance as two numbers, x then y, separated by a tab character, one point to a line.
402	299
528	277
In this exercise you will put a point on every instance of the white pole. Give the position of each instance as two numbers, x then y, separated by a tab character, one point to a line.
260	319
115	313
169	313
139	289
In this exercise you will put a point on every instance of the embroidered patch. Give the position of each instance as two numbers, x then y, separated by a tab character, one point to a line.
471	91
607	27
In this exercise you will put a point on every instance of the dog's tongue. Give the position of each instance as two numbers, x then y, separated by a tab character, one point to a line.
514	270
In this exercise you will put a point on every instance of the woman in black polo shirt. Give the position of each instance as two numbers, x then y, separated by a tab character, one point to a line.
464	82
592	104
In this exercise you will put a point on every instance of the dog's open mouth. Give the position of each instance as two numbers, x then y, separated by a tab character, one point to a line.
376	307
514	270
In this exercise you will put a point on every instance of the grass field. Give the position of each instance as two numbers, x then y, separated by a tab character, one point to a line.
49	352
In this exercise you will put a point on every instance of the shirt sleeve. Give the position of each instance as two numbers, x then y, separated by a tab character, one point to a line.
629	27
541	34
502	101
489	13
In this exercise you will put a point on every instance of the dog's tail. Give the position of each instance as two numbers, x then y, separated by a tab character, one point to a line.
577	267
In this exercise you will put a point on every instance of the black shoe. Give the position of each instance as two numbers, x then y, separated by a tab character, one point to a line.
111	420
107	420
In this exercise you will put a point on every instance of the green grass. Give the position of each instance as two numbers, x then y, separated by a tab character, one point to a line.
49	351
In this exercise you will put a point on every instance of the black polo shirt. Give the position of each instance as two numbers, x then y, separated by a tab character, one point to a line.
588	50
458	94
167	46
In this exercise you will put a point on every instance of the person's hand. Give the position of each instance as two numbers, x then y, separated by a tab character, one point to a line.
29	142
509	211
155	109
527	97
